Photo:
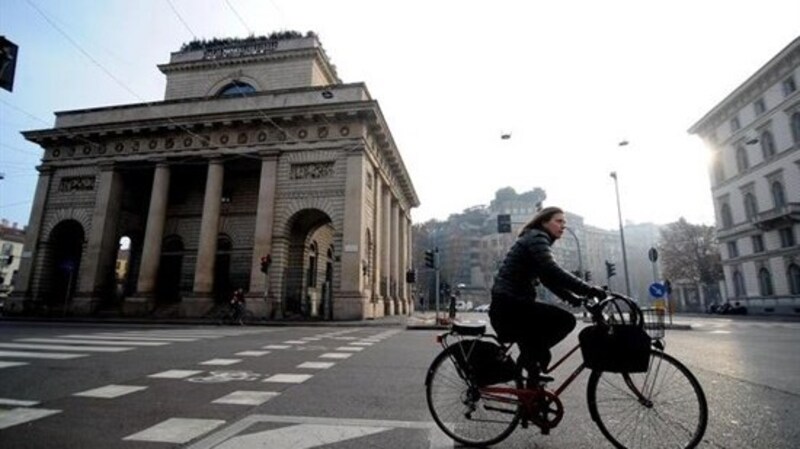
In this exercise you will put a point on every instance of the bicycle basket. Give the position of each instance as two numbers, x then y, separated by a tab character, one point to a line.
654	322
615	348
483	363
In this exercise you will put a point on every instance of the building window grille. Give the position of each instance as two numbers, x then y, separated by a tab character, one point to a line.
787	237
750	207
727	218
741	160
236	88
789	86
765	282
738	284
796	127
758	243
312	265
733	250
778	195
767	145
759	106
793	275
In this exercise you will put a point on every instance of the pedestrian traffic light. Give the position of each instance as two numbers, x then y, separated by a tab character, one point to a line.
411	276
266	261
503	223
611	270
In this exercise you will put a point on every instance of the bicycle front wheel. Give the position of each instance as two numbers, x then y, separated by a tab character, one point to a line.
462	411
664	407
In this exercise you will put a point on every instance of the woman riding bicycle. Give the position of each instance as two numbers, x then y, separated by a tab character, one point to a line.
515	315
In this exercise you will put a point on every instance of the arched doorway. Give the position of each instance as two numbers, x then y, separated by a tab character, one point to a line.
311	234
66	248
168	283
223	287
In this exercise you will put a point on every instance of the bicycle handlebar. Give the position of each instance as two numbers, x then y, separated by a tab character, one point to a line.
595	307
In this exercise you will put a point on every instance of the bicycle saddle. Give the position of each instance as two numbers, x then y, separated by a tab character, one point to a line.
471	329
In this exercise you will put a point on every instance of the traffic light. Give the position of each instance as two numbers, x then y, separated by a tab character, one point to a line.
587	275
266	261
429	258
411	276
611	270
503	223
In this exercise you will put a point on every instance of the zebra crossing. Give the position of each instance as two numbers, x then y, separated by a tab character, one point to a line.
22	351
726	326
179	429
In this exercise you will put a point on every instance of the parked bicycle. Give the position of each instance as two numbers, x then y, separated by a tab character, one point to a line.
639	396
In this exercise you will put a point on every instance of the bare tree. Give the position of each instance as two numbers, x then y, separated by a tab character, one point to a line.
690	252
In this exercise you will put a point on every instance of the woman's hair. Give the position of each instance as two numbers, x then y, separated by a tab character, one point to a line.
541	218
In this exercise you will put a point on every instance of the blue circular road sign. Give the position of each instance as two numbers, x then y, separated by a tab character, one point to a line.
657	290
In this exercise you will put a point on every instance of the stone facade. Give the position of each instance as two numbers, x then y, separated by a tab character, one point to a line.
256	151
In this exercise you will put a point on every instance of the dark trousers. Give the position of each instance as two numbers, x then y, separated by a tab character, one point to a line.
534	326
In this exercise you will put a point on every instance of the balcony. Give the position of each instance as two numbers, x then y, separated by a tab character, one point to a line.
778	217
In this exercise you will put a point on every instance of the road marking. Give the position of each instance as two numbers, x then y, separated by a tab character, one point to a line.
64	348
22	415
92	342
295	342
252	353
10	364
40	355
276	347
720	332
362	343
110	391
345	338
316	365
175	374
246	398
300	436
349	348
335	355
226	376
228	437
176	430
17	402
288	378
311	338
221	362
124	337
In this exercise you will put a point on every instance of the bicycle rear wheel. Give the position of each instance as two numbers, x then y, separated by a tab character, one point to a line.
664	407
461	411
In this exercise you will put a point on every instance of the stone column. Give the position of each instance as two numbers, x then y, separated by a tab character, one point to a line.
209	231
377	227
395	262
262	243
386	250
402	287
143	301
97	271
350	302
409	258
22	283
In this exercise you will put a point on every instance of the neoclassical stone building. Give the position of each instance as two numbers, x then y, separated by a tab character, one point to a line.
257	149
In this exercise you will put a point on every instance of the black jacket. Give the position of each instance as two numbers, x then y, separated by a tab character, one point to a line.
529	260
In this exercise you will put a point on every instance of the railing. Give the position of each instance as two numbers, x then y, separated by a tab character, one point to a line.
787	213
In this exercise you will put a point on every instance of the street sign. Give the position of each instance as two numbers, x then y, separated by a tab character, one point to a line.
652	254
657	290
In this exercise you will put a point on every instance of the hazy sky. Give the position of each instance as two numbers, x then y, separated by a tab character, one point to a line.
568	79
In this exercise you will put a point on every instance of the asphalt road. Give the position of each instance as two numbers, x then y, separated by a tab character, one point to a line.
206	387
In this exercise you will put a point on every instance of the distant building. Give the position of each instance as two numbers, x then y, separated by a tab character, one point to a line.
11	242
754	138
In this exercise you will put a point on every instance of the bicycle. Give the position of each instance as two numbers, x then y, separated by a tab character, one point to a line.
661	405
227	314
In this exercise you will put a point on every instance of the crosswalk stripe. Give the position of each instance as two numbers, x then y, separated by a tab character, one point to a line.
122	337
300	436
11	364
17	402
40	355
22	415
78	341
246	398
110	391
176	430
64	348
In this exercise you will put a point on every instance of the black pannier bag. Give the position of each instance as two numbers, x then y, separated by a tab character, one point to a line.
615	348
483	362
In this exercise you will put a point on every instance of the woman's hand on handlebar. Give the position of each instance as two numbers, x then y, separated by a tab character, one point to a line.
597	292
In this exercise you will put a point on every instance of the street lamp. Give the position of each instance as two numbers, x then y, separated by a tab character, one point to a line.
580	259
621	231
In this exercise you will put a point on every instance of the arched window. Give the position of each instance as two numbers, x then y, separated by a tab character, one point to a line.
727	218
765	282
778	196
750	207
236	88
741	159
767	145
313	257
796	127
719	171
738	284
793	274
